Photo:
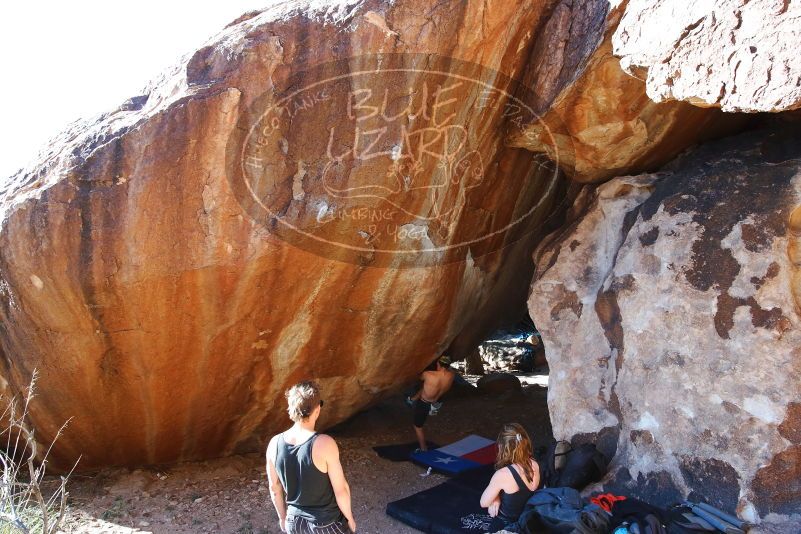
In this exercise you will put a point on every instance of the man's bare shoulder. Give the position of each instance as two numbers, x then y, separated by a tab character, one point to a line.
273	443
326	446
271	447
325	443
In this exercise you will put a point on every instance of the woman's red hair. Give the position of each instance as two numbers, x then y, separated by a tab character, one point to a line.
514	447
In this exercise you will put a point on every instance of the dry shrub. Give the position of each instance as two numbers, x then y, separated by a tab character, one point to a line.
24	506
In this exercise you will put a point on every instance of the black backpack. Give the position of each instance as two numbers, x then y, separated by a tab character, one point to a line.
564	466
551	459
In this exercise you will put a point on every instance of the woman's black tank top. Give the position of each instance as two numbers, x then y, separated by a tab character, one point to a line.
308	490
512	504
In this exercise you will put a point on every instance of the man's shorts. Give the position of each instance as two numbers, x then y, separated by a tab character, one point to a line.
299	525
420	410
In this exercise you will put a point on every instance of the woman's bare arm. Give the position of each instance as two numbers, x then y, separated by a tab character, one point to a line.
492	491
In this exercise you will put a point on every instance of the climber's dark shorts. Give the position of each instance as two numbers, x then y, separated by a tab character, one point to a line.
420	410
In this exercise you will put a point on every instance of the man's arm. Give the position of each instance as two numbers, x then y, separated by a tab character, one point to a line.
337	476
276	489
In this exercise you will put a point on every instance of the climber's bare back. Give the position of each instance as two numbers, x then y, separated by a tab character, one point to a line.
436	384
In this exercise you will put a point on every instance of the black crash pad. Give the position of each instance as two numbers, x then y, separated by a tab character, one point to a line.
449	508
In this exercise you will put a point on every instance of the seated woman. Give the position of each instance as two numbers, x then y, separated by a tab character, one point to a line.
516	477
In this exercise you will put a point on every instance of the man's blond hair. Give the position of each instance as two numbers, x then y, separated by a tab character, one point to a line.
302	399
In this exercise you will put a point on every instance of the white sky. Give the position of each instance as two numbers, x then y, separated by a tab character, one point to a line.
66	59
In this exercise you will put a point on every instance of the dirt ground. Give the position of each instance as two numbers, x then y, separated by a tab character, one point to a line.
230	495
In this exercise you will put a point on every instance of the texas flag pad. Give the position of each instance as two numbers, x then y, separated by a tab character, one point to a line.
463	455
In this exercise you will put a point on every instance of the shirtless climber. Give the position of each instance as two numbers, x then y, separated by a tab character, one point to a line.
436	382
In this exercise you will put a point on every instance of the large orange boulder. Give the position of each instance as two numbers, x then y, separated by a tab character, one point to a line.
290	202
337	191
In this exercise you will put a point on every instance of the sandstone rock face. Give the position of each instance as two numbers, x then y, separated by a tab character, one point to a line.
329	190
595	119
167	312
738	55
671	324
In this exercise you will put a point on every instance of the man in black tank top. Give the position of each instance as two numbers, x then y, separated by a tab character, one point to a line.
307	483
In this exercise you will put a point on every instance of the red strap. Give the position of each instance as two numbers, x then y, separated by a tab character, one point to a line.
607	500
